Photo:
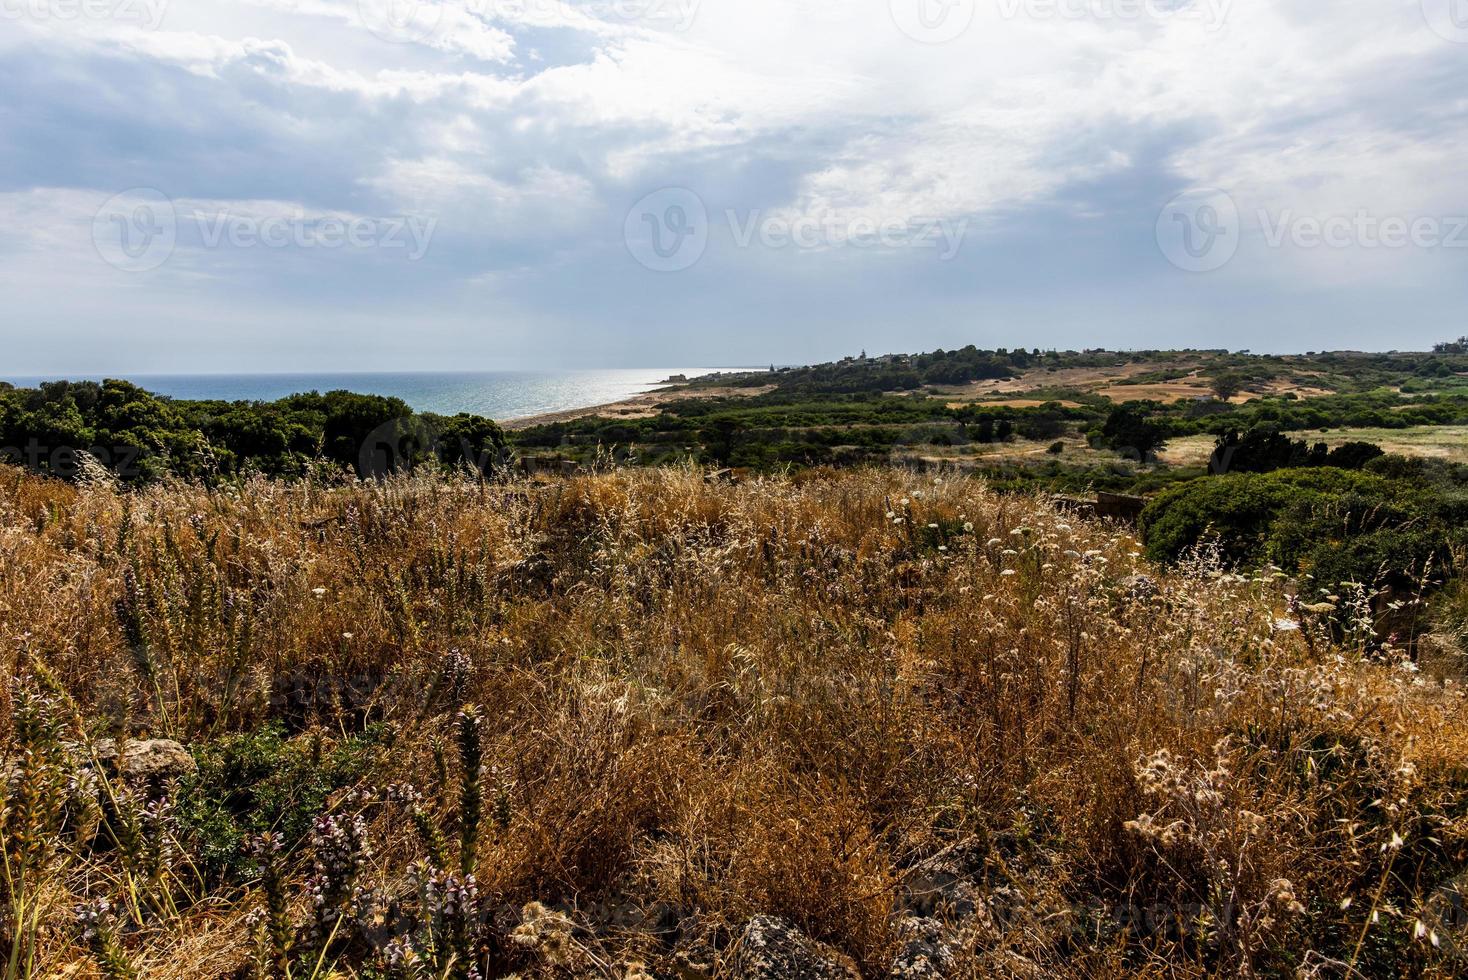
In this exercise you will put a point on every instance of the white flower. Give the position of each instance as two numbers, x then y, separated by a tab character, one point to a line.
1286	625
318	592
1007	572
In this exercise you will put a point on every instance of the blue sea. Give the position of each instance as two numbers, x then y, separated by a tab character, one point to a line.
501	395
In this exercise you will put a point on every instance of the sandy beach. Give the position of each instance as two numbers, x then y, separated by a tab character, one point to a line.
637	407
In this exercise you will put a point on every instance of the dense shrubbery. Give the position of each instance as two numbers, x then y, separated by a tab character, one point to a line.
898	372
1264	448
140	436
1340	526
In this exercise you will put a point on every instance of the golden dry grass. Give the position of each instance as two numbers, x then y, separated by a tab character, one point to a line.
791	696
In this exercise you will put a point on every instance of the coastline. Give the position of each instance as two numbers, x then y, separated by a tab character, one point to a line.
642	406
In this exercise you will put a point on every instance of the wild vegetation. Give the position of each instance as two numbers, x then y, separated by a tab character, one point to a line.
610	725
62	428
952	406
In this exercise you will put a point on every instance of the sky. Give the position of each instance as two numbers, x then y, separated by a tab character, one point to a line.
296	185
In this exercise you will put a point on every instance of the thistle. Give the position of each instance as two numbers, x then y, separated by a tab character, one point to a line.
100	933
341	852
31	817
275	926
471	789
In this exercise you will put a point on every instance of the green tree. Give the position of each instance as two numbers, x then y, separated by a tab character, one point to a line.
1130	429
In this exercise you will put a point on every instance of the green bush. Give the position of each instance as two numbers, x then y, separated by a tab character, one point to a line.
1237	511
261	781
1338	525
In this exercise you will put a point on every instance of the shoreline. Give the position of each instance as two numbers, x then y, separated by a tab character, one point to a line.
642	406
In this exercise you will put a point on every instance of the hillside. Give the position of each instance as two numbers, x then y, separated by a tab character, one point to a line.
932	730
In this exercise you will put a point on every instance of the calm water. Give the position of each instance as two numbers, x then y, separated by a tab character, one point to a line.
496	394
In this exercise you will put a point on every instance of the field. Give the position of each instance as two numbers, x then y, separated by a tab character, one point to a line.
1446	442
1167	379
986	409
931	730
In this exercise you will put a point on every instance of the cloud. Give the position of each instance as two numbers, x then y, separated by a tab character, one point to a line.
1056	130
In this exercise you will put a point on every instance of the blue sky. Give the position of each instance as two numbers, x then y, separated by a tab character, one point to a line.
201	185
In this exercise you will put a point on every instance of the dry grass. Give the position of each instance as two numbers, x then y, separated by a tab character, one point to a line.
1447	442
841	698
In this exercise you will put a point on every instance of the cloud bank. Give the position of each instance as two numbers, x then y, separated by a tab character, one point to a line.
804	151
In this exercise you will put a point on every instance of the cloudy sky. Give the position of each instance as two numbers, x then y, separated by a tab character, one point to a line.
231	185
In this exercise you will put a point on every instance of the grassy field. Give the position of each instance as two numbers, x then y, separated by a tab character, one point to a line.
591	728
1448	442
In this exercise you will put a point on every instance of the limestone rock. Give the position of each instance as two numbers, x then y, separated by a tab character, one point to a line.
925	956
773	949
154	760
943	884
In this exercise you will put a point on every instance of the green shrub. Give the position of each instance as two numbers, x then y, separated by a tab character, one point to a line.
1237	511
261	781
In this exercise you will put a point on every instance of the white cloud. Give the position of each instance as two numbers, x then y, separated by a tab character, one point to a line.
794	107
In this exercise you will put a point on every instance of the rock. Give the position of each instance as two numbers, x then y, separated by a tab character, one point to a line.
773	949
154	760
924	956
1139	588
694	962
535	575
696	950
942	885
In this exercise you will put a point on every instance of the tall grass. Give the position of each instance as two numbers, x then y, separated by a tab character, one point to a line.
843	698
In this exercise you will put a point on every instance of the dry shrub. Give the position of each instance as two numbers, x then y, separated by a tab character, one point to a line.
703	701
808	853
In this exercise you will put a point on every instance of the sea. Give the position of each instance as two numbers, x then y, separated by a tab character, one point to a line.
500	395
